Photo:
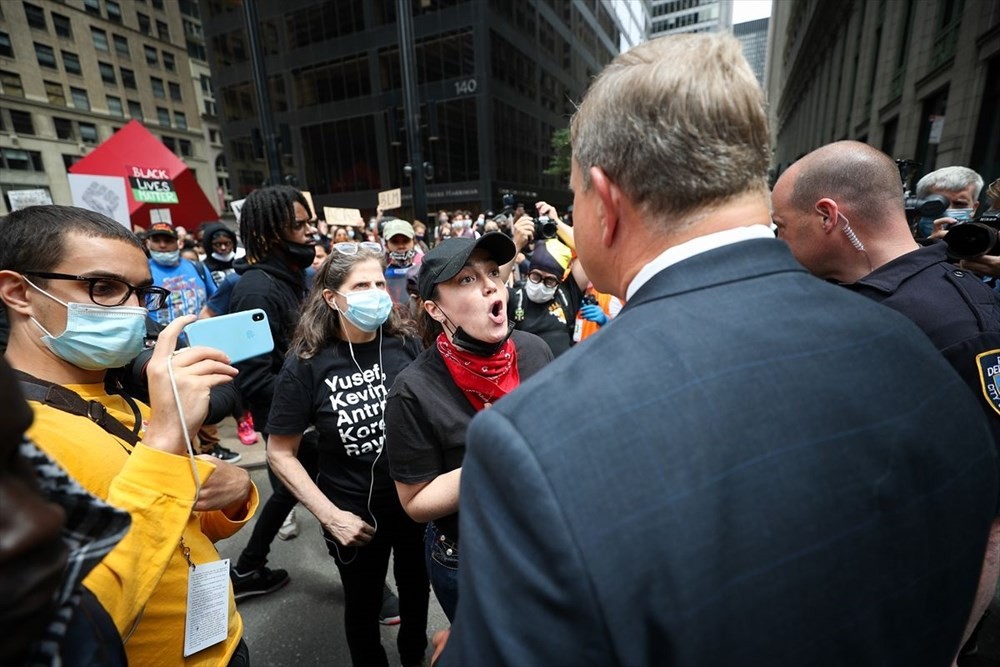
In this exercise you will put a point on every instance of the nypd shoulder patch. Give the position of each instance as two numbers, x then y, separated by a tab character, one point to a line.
988	364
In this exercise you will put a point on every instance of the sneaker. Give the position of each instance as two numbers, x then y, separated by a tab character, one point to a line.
223	454
261	581
389	614
290	528
245	430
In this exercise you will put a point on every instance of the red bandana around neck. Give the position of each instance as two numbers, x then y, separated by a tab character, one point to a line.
483	379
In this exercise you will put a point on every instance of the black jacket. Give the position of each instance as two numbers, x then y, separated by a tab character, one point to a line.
277	289
218	269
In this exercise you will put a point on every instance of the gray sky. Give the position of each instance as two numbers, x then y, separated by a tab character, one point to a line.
748	10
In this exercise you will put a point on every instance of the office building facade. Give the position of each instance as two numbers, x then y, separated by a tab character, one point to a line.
917	79
753	37
74	72
671	17
494	81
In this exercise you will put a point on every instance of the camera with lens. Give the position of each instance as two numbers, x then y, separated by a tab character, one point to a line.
545	227
974	238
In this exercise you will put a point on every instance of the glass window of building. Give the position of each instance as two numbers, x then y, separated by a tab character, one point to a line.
322	21
157	4
341	156
35	16
88	133
169	63
64	129
55	92
185	148
206	85
152	56
115	107
10	83
6	48
62	25
135	109
175	91
145	24
114	11
180	120
107	73
70	160
46	56
196	50
92	7
163	31
19	160
21	123
80	99
170	143
128	78
163	116
71	63
158	89
121	46
100	39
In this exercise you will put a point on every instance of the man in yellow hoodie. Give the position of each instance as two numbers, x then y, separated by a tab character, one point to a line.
77	289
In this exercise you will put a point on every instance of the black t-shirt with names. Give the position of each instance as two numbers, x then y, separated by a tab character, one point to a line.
427	416
344	398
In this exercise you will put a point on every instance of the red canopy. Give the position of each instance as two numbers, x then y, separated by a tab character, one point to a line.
153	171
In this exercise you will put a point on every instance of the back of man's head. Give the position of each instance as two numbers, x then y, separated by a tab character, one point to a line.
678	123
949	179
265	215
34	238
861	179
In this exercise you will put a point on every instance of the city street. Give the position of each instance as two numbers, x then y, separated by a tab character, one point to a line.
303	623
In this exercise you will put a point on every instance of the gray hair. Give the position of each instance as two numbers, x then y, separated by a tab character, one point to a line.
678	123
949	179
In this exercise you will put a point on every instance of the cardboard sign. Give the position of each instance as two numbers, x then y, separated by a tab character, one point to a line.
160	215
342	216
24	198
151	184
237	206
103	194
312	207
390	199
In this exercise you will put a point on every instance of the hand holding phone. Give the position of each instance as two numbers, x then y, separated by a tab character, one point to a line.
239	335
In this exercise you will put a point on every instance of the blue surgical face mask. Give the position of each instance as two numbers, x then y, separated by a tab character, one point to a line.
172	258
97	337
960	214
367	310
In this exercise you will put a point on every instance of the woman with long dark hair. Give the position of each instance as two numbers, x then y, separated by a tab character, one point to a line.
472	360
348	349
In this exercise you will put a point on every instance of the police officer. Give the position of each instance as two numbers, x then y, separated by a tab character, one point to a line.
840	210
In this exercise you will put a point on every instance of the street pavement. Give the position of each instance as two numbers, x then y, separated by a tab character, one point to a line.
303	623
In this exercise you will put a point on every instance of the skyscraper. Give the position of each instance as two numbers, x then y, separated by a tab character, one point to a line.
676	16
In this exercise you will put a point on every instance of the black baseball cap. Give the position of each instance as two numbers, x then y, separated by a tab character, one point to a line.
446	259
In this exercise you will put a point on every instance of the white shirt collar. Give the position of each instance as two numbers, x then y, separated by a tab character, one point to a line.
695	246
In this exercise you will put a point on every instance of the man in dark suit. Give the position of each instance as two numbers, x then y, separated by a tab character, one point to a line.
763	469
840	211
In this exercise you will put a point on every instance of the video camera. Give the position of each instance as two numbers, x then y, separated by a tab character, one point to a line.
545	228
929	207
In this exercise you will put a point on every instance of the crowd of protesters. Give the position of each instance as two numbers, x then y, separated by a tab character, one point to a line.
744	429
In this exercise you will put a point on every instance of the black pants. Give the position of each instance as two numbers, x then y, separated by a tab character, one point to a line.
362	573
277	507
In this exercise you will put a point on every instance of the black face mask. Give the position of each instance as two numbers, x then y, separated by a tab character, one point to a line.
478	347
300	254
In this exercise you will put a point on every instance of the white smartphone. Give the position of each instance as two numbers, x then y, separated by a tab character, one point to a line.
240	335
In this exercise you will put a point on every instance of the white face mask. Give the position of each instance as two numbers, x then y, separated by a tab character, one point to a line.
538	292
224	257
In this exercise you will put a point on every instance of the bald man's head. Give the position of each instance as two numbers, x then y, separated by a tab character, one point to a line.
861	179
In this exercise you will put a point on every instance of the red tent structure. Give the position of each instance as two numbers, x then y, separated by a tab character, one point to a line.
155	177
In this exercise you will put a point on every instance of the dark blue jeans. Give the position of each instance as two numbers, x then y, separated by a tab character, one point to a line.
441	556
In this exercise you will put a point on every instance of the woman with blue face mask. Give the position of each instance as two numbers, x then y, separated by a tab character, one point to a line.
347	350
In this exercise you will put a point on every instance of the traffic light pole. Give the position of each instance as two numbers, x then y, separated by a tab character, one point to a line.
412	110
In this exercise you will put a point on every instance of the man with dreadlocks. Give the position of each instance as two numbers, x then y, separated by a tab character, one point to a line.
277	234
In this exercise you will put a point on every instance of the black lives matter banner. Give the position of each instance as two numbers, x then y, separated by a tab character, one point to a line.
152	185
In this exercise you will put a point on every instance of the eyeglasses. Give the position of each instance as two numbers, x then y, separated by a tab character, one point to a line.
548	281
351	248
110	292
